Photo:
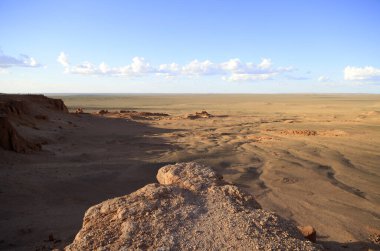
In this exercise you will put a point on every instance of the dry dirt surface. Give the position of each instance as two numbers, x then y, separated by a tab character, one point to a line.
312	159
191	209
84	159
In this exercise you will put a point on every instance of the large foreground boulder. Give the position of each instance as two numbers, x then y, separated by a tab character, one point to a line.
191	209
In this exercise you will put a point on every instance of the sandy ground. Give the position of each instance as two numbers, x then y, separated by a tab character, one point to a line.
310	158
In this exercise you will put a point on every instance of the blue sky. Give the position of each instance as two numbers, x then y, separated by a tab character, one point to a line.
190	46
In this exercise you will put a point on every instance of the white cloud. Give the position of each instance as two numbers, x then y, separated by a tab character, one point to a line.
169	70
29	61
63	60
247	77
197	68
103	68
323	78
232	65
22	61
86	68
231	70
139	66
266	63
367	73
240	71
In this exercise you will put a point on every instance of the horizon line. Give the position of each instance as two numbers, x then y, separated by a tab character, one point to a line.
191	93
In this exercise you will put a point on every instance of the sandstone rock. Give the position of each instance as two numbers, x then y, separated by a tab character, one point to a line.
147	114
192	176
58	105
11	140
308	232
101	112
198	115
13	107
136	115
191	209
375	238
300	132
26	104
19	113
79	111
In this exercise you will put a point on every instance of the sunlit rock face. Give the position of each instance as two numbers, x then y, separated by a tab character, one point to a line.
191	208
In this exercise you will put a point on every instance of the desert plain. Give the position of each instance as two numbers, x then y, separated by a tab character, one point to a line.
313	159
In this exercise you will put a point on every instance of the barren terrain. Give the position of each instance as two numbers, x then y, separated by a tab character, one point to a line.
313	159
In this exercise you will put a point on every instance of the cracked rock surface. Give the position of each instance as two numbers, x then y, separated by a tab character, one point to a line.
191	208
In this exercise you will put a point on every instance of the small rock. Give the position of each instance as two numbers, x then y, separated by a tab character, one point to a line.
197	115
79	111
375	238
308	232
102	112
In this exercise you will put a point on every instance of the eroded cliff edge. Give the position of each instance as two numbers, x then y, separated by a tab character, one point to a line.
19	117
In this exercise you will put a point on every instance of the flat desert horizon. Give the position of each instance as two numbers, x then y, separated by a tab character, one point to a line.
189	125
311	158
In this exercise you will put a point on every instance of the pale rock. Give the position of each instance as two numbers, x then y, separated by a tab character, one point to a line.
191	209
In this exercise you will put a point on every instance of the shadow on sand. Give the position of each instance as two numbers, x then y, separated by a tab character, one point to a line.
357	246
45	194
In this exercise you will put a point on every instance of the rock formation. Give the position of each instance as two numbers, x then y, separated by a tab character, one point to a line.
102	112
199	115
11	140
21	111
17	105
191	208
136	115
79	111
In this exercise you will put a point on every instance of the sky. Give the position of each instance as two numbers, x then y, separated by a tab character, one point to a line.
198	46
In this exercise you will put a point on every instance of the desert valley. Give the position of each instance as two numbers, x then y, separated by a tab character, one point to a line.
311	159
189	125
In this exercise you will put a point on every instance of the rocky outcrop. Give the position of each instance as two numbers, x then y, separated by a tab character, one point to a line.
11	140
58	104
144	114
136	115
191	208
79	111
13	107
334	133
19	114
199	115
16	105
102	112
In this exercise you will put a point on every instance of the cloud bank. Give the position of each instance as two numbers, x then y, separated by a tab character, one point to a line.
231	70
367	73
21	61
